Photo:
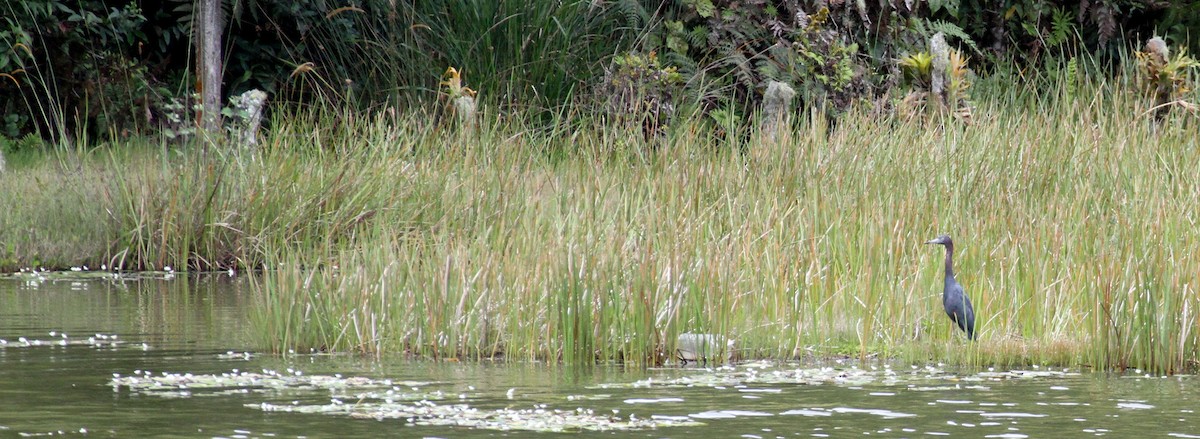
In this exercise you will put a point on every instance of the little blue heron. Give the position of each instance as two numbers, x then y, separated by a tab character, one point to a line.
958	306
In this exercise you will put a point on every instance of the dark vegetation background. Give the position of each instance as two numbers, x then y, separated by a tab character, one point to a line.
103	70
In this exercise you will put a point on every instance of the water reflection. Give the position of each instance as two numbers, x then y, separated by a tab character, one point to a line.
63	342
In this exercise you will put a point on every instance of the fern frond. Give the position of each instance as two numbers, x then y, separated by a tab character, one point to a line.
1106	22
736	61
1061	27
636	16
768	69
698	36
685	64
951	30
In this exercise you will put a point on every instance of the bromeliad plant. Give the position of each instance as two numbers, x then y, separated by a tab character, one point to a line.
941	76
461	99
1168	79
917	68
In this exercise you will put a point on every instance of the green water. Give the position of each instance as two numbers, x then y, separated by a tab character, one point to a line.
56	386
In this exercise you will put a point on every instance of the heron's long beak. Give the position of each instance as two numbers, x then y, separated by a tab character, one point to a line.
931	241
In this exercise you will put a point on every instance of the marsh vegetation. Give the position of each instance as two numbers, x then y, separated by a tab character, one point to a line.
590	196
1074	218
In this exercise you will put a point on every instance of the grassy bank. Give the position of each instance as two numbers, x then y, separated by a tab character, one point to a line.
1075	224
1074	220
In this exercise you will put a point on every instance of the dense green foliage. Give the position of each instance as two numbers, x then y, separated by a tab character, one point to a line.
102	69
113	69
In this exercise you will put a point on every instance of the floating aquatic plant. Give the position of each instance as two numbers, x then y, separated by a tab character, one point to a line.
538	418
378	399
146	382
766	373
383	399
231	355
62	339
32	277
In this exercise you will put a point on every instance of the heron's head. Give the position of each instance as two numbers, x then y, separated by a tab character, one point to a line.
941	240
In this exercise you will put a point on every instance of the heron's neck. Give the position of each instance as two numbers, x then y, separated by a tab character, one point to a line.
949	261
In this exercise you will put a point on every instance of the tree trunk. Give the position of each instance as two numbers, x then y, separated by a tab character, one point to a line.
208	63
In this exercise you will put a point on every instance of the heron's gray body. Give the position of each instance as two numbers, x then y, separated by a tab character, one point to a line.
954	300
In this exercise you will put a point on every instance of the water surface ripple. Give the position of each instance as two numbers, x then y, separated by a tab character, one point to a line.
167	356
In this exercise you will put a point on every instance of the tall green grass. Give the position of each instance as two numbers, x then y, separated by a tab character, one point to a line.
55	215
1074	218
